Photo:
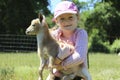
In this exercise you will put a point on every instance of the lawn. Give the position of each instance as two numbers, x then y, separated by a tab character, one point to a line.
24	66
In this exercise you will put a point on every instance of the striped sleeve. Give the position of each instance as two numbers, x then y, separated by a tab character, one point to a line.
80	54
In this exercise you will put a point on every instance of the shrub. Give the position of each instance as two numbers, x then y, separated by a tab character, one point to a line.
96	43
115	47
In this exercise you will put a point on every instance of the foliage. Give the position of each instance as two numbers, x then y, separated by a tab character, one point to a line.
16	15
96	44
115	4
82	19
115	47
49	20
104	18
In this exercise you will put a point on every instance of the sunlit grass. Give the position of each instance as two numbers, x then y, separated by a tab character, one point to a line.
24	66
105	66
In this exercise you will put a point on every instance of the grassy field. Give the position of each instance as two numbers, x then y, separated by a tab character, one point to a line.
24	66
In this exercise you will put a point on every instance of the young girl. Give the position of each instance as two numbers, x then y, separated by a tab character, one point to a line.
66	16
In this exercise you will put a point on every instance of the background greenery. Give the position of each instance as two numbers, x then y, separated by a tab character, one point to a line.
101	22
24	66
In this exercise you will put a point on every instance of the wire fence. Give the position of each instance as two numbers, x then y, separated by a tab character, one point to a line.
17	43
25	43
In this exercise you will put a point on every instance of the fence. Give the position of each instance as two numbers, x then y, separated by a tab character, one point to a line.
17	43
25	43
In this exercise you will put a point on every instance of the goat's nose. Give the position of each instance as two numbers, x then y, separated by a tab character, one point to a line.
26	31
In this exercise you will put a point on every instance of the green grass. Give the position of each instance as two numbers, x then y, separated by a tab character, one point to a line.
24	66
105	66
19	66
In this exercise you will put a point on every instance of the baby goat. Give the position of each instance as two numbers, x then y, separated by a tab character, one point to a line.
48	49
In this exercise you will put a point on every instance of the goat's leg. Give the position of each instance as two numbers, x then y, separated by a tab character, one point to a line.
42	65
50	66
51	62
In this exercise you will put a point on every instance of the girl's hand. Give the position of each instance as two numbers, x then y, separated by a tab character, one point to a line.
65	50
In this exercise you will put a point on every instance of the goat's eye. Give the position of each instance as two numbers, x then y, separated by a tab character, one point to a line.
33	25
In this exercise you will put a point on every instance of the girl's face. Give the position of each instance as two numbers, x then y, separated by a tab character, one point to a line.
67	21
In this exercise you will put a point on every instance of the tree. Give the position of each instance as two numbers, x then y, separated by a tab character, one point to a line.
105	18
115	3
16	15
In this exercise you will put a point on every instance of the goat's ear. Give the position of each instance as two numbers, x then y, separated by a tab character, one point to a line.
40	16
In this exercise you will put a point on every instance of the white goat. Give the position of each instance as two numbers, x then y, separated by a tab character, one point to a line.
48	49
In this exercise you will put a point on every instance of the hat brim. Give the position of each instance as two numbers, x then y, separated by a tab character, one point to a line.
72	12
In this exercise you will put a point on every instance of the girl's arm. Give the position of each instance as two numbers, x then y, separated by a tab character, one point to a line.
80	53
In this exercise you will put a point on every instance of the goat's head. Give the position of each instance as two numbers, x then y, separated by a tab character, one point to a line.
36	25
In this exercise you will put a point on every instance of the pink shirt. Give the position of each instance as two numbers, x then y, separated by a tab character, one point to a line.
80	41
